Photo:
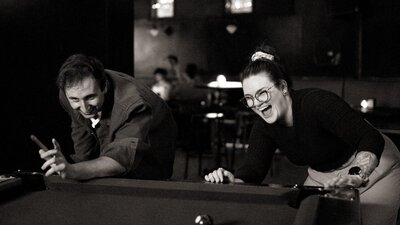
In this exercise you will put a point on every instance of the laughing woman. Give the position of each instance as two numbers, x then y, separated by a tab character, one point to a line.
317	128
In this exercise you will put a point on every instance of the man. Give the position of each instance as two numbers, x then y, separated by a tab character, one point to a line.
119	126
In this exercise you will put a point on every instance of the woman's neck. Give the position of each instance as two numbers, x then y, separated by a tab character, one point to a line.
287	120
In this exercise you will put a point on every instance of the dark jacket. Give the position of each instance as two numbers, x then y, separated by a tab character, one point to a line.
136	129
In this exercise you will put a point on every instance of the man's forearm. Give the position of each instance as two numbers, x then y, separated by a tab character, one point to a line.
100	167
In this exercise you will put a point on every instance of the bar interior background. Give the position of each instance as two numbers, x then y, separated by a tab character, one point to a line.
37	36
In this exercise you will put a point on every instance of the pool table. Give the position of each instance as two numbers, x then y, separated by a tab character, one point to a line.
128	201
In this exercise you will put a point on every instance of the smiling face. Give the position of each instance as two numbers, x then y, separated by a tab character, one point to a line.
86	97
278	108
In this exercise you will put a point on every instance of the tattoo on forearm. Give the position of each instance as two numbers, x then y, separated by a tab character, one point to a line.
367	161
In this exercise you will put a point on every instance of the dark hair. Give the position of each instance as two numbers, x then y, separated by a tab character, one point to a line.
191	70
273	67
79	66
161	71
173	57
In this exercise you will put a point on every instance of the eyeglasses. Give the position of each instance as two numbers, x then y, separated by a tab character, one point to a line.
263	95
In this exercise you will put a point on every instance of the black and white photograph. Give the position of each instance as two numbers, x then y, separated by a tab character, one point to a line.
203	112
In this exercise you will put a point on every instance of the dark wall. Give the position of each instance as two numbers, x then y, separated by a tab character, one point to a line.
303	31
381	35
199	35
36	37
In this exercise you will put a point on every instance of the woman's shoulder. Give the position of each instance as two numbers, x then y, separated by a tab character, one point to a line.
314	94
312	91
315	100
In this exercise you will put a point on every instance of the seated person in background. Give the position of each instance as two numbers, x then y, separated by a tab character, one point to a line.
182	85
162	87
192	73
119	126
175	70
317	128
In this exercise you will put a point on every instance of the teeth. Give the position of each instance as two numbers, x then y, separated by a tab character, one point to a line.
266	111
264	108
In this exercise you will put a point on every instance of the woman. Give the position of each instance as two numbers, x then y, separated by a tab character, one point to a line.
317	128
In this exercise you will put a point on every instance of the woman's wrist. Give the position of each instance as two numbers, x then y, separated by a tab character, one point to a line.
357	171
364	163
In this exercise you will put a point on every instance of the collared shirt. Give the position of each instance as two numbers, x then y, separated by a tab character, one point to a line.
96	120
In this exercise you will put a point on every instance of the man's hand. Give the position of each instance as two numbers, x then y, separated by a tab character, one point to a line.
54	158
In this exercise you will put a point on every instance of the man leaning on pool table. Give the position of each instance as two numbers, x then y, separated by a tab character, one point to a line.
119	126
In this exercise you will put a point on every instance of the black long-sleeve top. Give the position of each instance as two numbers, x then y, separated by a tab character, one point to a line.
326	131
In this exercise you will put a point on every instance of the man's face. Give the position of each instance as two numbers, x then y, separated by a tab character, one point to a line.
86	97
158	77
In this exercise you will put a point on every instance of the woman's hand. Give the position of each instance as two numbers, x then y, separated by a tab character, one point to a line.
366	161
220	176
344	181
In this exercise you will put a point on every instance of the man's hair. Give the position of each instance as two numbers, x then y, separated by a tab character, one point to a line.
173	57
191	70
78	67
161	71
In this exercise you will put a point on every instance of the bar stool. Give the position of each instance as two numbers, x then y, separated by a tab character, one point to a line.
208	138
244	121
